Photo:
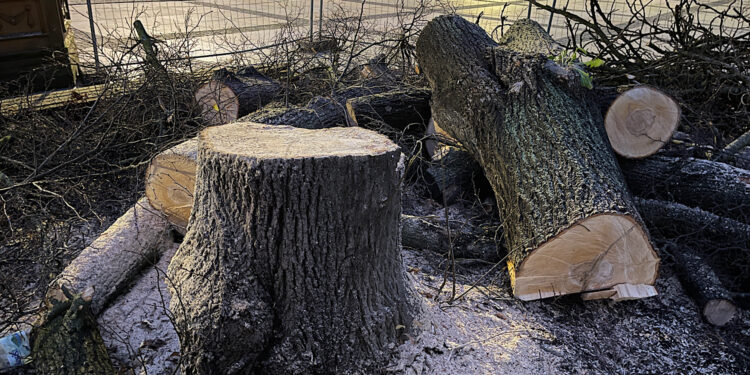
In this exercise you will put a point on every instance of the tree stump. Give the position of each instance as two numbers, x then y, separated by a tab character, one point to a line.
569	222
291	261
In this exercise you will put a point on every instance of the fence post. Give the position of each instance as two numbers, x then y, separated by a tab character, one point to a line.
93	34
320	20
312	23
551	14
528	15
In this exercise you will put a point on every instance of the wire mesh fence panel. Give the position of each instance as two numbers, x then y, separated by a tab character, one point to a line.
211	30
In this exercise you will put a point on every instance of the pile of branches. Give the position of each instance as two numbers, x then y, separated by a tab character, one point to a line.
696	51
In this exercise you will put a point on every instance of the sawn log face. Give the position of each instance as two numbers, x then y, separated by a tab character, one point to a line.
541	144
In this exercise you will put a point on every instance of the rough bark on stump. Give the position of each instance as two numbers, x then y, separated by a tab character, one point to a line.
115	257
398	108
570	225
285	268
68	341
713	186
229	96
701	283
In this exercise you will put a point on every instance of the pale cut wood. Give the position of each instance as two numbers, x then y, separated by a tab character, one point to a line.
621	292
229	96
170	182
598	253
118	254
640	121
219	105
570	224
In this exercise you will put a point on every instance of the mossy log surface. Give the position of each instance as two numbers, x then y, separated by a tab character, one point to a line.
543	148
285	268
68	340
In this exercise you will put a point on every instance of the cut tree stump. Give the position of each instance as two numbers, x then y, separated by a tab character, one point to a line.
701	283
229	96
640	121
115	257
713	186
398	108
284	266
570	224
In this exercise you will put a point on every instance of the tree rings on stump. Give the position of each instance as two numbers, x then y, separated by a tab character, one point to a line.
641	121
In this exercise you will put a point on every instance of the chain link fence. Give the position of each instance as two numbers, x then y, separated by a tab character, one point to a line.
211	30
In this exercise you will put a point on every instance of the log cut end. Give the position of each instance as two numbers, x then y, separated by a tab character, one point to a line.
719	311
218	103
261	141
641	121
598	253
170	182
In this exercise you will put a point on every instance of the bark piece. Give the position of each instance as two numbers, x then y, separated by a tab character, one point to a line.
68	340
715	187
640	121
700	281
398	108
285	267
229	96
115	257
570	224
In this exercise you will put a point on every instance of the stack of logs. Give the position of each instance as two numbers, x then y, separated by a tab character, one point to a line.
582	196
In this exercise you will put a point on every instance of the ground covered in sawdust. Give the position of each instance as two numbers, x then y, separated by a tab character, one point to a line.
485	330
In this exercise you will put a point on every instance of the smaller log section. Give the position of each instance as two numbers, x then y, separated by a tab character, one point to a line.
570	223
640	121
170	181
399	109
115	257
715	187
319	113
701	283
285	267
229	96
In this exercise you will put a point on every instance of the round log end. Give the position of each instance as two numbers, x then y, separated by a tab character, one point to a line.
597	253
262	141
170	182
218	103
641	121
719	311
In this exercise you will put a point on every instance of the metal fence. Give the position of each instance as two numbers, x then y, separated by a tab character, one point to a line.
210	30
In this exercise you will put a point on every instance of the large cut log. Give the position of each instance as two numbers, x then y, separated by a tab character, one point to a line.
713	186
701	283
399	108
570	224
68	341
115	257
285	267
640	121
229	96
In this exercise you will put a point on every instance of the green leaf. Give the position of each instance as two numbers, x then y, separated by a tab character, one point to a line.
586	80
595	63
